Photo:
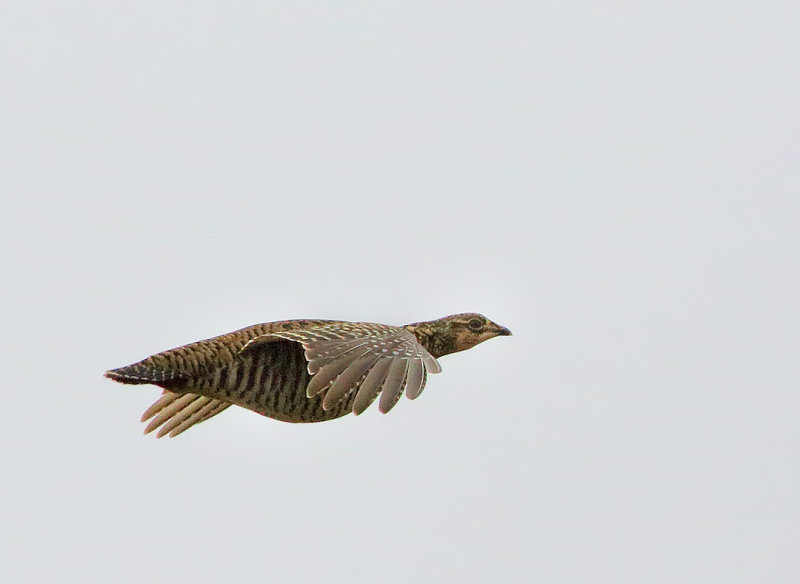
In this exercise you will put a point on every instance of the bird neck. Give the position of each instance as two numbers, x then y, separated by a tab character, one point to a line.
436	339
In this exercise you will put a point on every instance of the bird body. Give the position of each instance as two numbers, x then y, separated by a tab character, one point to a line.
300	370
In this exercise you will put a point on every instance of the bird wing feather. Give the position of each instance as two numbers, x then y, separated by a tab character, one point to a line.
174	413
364	358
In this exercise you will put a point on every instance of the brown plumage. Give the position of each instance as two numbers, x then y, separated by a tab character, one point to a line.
300	370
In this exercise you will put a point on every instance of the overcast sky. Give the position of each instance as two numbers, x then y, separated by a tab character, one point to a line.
616	183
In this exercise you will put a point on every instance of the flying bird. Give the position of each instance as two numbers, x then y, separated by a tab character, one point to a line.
300	370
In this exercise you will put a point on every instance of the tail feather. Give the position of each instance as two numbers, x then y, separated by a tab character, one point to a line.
144	372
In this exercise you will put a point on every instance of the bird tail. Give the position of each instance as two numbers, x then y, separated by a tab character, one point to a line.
145	372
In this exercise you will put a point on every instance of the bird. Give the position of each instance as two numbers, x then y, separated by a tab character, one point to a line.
300	370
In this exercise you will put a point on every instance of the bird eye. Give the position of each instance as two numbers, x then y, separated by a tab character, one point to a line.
475	324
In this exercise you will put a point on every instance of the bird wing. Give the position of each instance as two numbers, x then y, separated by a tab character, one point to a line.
365	358
175	413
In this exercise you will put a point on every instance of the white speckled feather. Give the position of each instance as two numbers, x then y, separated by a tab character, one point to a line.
339	356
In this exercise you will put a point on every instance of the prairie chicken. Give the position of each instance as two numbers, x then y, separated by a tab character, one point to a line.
300	370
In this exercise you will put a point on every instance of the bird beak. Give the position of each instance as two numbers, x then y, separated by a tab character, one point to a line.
503	332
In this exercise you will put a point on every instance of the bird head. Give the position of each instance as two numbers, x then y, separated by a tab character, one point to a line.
458	332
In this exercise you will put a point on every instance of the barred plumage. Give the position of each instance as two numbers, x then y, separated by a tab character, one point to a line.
300	370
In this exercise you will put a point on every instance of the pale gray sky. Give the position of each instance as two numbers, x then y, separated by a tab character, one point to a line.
618	184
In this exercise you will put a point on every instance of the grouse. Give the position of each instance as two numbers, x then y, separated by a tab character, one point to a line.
300	370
